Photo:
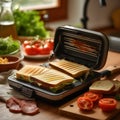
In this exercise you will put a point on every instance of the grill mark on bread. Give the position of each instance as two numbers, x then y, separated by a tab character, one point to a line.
29	70
40	71
73	69
33	70
53	75
52	78
50	83
43	76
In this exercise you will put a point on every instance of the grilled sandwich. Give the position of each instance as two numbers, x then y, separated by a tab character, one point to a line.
47	78
29	70
52	79
70	68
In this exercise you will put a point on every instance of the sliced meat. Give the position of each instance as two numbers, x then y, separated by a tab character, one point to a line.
13	105
28	107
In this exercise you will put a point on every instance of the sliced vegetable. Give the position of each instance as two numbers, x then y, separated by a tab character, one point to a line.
107	104
92	96
84	103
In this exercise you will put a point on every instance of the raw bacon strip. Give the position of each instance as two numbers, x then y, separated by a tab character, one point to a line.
28	107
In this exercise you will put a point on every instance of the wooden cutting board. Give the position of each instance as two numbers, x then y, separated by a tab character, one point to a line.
71	109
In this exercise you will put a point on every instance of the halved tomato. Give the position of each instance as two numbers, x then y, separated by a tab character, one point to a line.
93	96
107	104
84	103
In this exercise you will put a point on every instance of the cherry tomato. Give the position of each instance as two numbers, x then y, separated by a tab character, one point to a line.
84	103
43	50
38	47
107	104
50	44
31	50
93	96
26	42
37	44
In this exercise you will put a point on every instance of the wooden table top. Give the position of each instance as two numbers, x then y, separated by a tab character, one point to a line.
49	111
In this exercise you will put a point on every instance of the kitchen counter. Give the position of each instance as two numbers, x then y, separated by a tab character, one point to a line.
49	111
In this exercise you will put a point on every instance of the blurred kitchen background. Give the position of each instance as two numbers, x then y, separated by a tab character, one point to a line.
98	15
70	12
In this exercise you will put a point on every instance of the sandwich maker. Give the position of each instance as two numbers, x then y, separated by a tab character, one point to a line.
78	45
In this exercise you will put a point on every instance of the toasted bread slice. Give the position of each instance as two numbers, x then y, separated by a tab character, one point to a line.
28	70
71	68
102	86
52	78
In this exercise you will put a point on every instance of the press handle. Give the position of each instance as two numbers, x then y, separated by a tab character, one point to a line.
111	70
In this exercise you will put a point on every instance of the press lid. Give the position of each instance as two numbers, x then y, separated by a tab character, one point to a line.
82	46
